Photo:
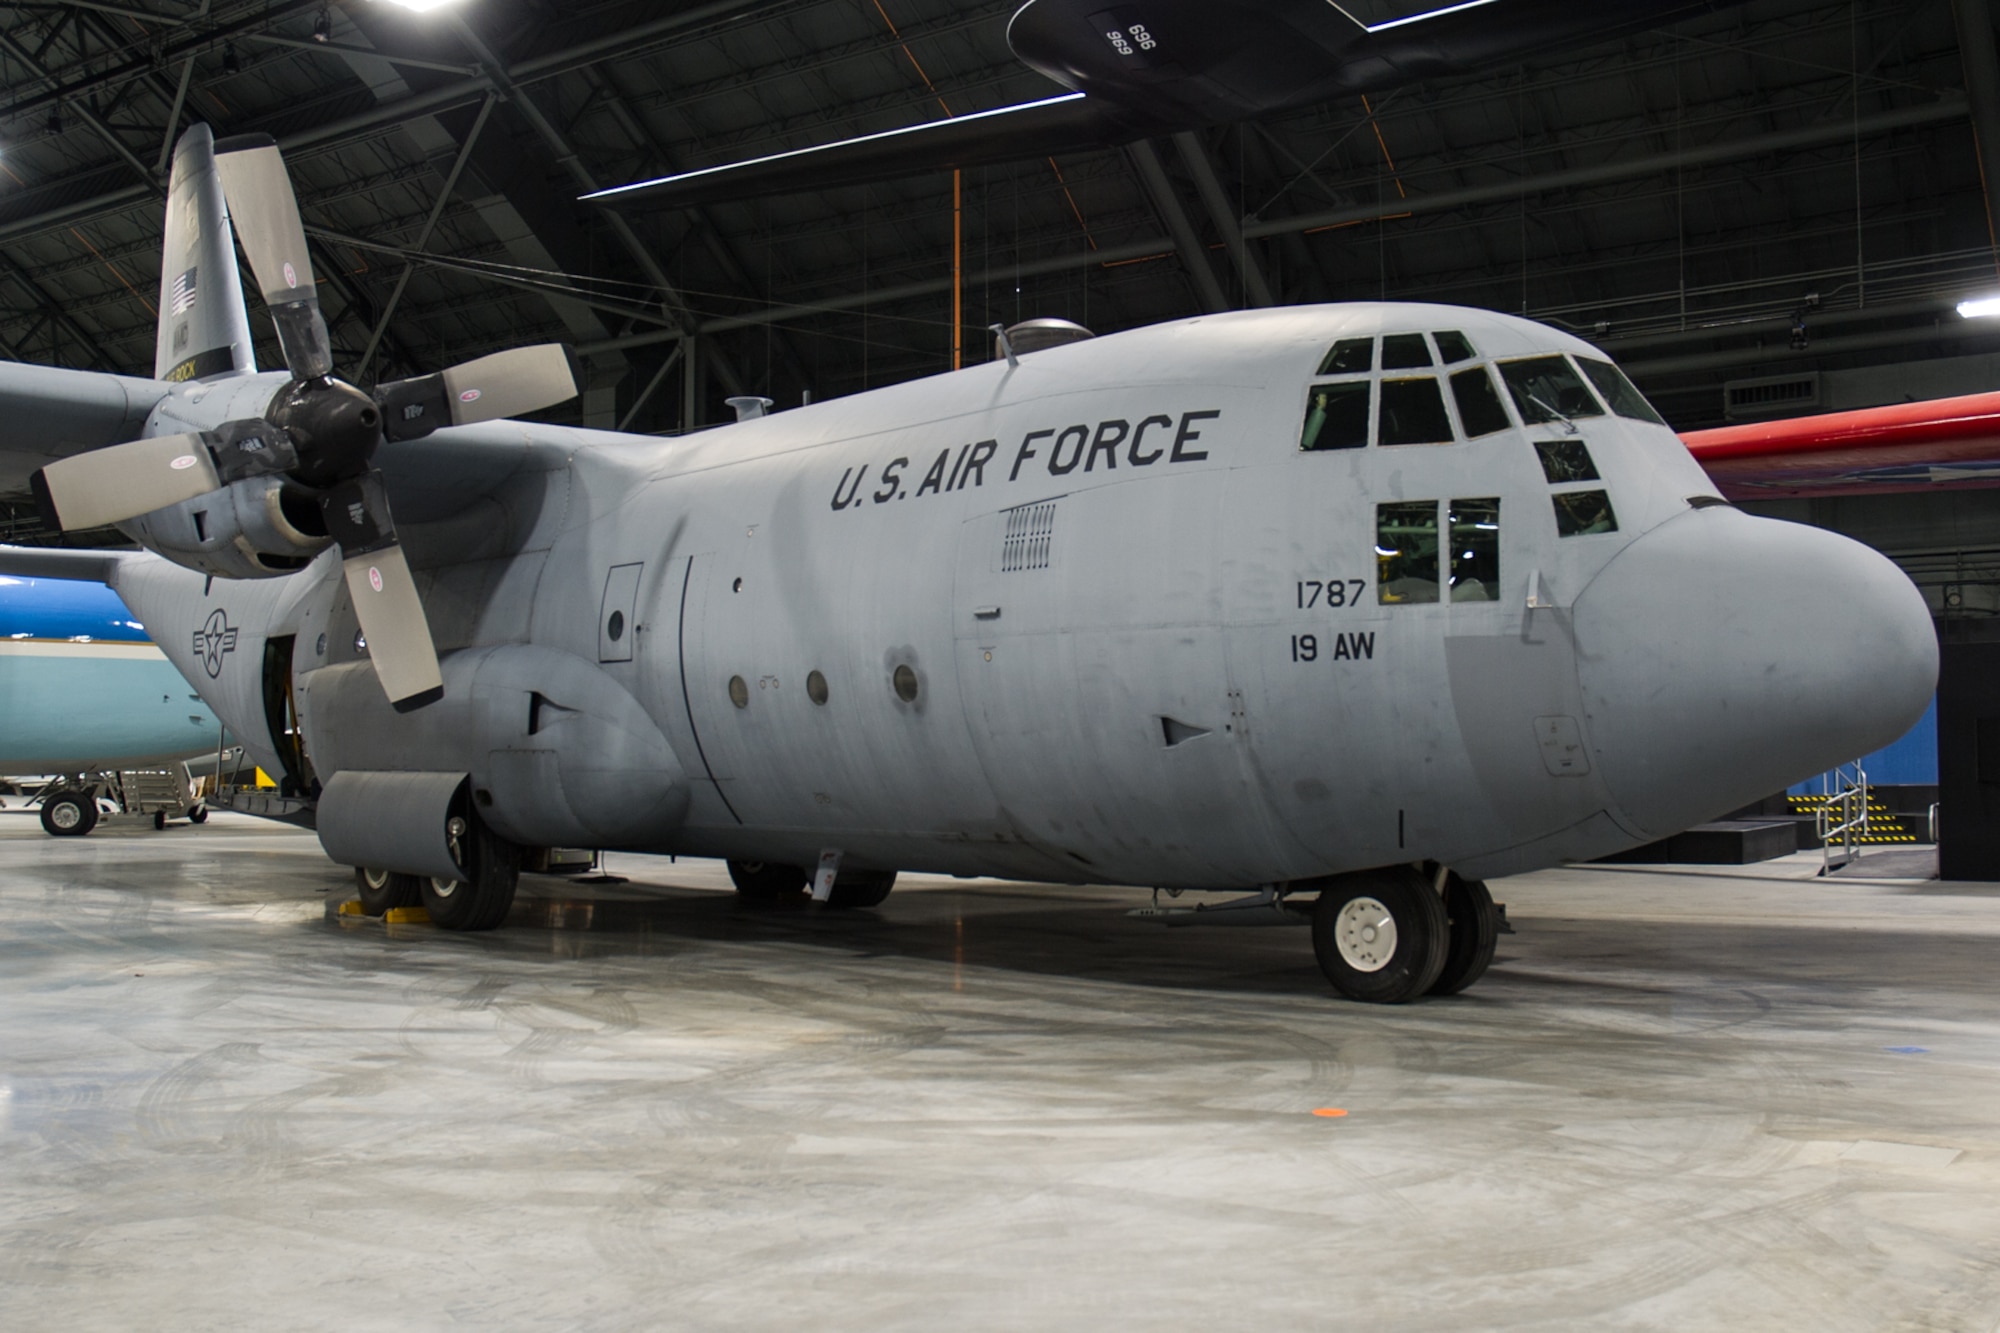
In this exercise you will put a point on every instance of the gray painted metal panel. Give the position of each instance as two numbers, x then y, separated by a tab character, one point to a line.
392	821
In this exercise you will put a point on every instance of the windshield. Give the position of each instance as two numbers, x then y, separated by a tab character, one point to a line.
1547	388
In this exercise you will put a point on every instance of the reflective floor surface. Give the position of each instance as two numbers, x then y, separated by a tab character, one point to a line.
1682	1100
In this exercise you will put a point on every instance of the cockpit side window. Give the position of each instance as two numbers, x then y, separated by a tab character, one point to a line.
1547	388
1565	460
1405	351
1583	513
1475	550
1406	551
1620	392
1349	356
1453	346
1413	413
1336	416
1479	409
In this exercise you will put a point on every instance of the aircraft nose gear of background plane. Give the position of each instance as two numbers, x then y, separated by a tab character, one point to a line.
1387	936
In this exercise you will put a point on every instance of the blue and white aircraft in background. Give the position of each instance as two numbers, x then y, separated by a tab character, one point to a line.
84	692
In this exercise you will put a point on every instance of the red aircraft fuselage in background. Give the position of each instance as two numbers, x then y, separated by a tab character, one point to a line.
1944	442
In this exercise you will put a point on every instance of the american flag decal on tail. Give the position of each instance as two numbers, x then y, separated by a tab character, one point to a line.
180	297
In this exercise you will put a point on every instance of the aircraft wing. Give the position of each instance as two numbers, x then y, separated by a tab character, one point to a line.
1945	442
54	562
52	413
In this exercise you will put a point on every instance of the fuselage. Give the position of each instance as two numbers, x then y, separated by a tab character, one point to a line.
82	687
1240	599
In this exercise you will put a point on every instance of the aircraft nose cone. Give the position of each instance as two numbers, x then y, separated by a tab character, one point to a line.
1724	657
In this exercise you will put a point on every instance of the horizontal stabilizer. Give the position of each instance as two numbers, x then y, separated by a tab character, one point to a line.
51	562
1064	124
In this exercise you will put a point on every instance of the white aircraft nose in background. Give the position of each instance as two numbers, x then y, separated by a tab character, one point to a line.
1722	655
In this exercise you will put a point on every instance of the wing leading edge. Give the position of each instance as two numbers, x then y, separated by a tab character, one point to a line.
1944	442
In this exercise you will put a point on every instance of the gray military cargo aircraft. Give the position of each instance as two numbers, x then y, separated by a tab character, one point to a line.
1347	606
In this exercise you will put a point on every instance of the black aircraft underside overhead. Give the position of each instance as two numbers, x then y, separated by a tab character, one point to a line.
1148	67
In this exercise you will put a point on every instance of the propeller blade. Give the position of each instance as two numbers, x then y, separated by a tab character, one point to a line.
107	486
505	384
265	212
384	592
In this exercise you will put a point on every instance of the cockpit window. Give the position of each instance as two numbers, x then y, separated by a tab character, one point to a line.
1405	351
1547	388
1566	460
1479	409
1620	392
1349	356
1475	550
1413	413
1454	347
1336	416
1406	551
1584	513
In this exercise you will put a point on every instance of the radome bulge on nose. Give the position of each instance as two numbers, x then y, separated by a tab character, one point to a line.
1724	657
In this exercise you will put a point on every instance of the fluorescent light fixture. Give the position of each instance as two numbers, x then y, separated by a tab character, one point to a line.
1979	307
421	6
1433	14
838	143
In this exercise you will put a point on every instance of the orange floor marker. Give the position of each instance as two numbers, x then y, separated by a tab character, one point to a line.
1330	1112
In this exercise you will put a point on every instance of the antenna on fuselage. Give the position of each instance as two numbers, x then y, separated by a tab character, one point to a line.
1005	344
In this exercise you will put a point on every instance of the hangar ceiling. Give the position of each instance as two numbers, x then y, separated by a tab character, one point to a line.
1688	197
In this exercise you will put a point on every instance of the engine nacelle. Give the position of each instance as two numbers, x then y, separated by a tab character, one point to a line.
257	528
559	753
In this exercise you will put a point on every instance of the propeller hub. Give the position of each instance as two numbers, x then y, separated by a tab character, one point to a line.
335	427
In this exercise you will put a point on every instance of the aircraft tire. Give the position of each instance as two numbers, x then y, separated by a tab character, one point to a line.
159	820
861	888
767	884
69	814
482	902
1367	962
1474	931
380	890
198	815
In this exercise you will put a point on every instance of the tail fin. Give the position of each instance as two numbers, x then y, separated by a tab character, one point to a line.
204	328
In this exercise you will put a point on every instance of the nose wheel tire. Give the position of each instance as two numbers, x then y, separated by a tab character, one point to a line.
762	884
69	814
1474	930
480	901
381	890
1380	936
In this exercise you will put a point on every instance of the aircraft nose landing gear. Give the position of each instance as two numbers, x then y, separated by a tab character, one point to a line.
1388	936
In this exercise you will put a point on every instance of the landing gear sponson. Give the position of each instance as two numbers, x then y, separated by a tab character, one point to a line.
1390	935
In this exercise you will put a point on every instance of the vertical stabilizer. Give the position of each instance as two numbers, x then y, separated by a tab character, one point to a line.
204	329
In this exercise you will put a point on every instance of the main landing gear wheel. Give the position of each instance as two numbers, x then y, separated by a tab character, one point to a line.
481	901
69	814
1474	930
861	888
198	815
381	890
1380	935
767	884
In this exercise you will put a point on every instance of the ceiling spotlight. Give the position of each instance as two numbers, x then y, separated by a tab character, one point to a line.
1979	307
421	6
231	64
323	26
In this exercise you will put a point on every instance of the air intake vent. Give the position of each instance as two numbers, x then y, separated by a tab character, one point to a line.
1025	542
1776	396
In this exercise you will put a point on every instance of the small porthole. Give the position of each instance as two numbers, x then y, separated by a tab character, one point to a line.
736	586
614	628
816	687
905	681
320	650
739	693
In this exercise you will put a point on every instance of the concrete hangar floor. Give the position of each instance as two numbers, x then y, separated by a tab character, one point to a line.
1681	1100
